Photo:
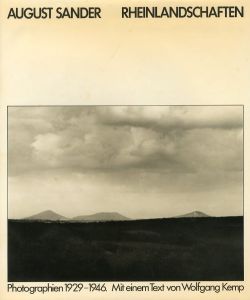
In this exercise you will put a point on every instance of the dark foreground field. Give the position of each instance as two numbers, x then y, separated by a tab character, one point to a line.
160	249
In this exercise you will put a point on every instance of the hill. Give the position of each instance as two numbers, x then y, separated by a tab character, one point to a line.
103	216
48	215
193	214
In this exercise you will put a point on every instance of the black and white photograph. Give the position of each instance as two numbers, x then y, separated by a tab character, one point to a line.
125	193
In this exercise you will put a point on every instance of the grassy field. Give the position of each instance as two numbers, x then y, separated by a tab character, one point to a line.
143	250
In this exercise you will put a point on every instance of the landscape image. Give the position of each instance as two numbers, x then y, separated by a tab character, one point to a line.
125	193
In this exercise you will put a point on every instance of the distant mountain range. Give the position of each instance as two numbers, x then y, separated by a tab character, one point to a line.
49	215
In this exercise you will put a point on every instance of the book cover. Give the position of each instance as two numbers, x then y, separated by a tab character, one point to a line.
124	149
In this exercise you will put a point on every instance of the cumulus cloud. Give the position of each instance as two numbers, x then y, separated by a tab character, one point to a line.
170	139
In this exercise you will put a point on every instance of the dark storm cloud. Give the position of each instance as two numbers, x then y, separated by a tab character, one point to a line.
173	117
157	139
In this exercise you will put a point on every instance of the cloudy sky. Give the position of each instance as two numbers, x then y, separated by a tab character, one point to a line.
140	161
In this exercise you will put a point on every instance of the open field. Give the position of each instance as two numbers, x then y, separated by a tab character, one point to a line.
155	249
